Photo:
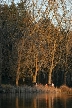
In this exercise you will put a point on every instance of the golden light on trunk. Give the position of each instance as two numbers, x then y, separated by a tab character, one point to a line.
52	63
35	75
19	60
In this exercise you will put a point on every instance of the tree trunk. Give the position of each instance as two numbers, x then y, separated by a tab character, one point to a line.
19	60
0	60
0	63
18	72
66	64
52	64
34	76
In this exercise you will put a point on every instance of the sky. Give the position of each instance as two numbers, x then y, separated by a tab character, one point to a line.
68	7
8	1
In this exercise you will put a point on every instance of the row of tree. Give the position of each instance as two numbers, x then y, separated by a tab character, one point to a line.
33	51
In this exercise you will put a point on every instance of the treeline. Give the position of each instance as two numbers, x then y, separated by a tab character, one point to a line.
33	51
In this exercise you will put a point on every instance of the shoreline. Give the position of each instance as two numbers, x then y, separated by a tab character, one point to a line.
35	89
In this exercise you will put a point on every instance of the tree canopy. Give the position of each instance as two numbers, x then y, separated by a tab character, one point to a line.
31	48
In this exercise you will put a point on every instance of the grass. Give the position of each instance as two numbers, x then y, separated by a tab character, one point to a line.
36	89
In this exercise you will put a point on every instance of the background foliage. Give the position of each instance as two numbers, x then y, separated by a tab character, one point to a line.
33	46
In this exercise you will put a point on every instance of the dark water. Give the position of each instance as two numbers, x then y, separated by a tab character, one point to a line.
35	101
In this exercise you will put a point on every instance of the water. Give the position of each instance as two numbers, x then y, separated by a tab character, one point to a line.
35	101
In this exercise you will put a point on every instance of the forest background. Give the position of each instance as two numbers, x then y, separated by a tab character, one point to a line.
36	42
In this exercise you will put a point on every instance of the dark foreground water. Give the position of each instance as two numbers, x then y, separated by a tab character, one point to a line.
35	101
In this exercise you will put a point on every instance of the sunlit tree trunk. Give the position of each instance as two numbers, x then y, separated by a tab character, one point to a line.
20	48
52	64
66	61
35	75
17	103
18	71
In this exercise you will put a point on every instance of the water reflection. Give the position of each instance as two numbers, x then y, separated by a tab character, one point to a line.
35	101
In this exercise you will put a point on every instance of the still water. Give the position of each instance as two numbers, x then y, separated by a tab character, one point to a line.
35	101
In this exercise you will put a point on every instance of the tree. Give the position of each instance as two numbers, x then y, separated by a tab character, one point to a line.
4	35
34	38
24	25
0	56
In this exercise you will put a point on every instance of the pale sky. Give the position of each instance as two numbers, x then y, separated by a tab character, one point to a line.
68	7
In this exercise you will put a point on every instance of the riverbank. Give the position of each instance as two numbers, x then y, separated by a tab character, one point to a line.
35	89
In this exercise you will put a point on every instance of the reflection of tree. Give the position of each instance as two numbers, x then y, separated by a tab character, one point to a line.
50	101
44	100
34	103
61	101
17	101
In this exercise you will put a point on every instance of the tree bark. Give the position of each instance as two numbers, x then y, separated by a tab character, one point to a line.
19	60
0	58
66	65
18	72
0	63
52	64
34	76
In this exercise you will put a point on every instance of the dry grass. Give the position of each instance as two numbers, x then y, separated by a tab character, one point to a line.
66	90
37	89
